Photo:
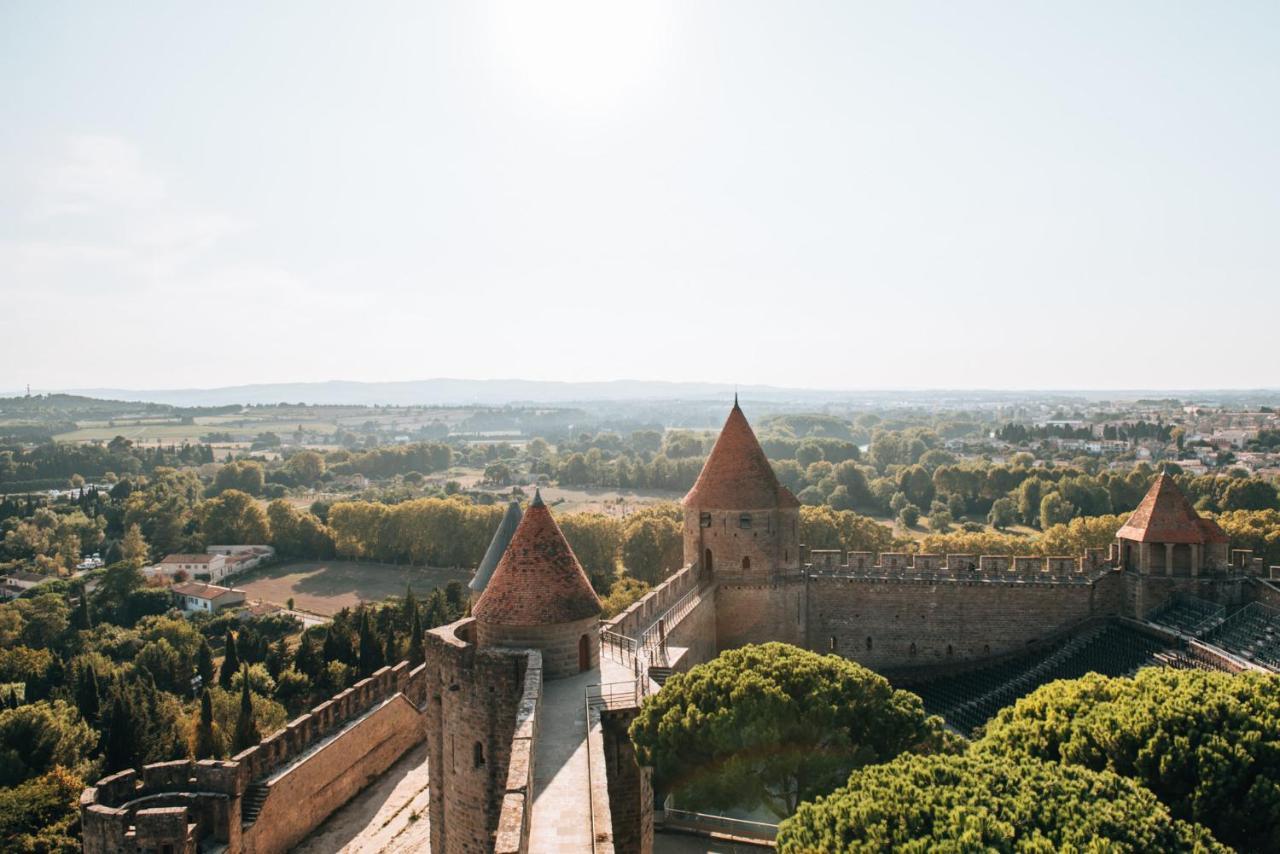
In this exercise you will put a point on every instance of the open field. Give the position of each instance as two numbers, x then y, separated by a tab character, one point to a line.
326	587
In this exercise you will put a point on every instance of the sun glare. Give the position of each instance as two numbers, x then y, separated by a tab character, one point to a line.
575	55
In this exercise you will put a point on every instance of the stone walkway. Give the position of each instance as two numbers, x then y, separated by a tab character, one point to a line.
561	787
390	815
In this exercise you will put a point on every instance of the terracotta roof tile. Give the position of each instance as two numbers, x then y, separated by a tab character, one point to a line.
1165	516
737	474
539	580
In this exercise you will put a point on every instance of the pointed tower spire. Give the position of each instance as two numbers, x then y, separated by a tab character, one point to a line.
737	474
539	580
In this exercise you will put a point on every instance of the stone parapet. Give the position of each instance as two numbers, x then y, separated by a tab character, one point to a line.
212	788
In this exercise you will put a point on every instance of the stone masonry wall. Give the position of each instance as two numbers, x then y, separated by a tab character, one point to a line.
635	619
211	791
897	624
303	795
769	546
559	643
481	711
756	613
630	786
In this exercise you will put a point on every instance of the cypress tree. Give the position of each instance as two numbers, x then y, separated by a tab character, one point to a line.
409	608
305	658
81	619
120	736
204	663
437	610
207	742
230	663
88	699
417	654
247	734
370	648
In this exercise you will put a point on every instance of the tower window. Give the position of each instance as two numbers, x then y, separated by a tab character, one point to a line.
477	755
744	521
868	642
704	520
746	563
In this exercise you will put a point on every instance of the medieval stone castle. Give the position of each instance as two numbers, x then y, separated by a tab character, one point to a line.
524	705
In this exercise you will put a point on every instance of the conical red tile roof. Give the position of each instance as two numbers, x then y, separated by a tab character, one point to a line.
1165	516
539	580
737	474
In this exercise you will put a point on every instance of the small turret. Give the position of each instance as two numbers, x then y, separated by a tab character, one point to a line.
539	597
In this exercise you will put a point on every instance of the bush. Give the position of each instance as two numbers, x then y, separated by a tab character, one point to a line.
987	803
1204	743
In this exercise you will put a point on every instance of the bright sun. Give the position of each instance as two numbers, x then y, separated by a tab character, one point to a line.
577	55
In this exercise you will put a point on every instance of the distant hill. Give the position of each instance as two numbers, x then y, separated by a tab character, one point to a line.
446	392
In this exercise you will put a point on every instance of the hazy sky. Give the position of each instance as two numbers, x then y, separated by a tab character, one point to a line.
833	195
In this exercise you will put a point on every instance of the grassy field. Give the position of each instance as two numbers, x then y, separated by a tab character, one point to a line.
326	587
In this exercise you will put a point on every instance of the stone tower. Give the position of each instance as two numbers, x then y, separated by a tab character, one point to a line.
539	598
1165	536
742	527
497	548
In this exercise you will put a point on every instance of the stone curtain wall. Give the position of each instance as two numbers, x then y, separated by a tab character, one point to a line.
631	622
895	625
305	794
211	791
758	613
482	725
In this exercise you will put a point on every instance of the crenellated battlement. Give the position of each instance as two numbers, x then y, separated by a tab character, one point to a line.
164	803
910	566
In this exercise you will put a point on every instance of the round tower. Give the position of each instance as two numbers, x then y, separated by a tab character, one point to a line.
739	521
539	598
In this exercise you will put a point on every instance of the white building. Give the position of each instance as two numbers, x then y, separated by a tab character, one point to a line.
212	565
206	598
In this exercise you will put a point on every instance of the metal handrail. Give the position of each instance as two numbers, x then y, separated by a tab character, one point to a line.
740	827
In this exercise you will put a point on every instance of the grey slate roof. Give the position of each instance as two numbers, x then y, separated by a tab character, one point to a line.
497	546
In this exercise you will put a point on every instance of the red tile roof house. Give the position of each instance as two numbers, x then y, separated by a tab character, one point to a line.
206	598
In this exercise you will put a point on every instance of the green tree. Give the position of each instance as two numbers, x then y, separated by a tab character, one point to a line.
306	467
371	646
1004	512
652	546
234	517
985	803
209	743
773	725
36	737
42	814
1250	493
230	662
909	515
242	475
133	547
1055	510
246	733
1204	743
204	663
417	655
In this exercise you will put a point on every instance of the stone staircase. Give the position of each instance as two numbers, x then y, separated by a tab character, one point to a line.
660	674
251	807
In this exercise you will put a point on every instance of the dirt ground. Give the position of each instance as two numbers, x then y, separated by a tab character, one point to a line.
326	587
